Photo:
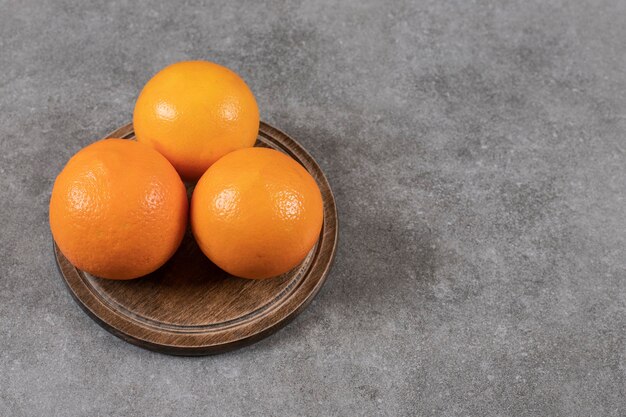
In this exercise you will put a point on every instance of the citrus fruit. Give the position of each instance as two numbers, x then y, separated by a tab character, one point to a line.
118	209
256	213
195	112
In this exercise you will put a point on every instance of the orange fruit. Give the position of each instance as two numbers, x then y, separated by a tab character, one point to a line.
256	213
118	209
195	112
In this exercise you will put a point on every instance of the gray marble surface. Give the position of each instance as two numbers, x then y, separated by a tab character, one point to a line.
477	151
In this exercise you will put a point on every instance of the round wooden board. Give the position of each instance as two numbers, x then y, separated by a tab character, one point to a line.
191	307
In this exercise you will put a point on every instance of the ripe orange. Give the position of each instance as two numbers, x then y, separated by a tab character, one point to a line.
118	209
195	112
256	213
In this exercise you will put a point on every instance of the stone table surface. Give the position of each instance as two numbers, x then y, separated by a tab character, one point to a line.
477	151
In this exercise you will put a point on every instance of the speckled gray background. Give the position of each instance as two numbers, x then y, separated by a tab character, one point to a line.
477	151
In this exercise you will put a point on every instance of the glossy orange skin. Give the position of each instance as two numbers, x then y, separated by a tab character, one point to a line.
195	112
118	209
256	213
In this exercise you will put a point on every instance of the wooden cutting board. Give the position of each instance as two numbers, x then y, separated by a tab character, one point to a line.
190	306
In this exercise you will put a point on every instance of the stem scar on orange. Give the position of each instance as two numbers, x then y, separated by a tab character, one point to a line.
256	213
118	209
195	112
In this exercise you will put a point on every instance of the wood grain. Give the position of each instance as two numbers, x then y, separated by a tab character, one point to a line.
190	306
